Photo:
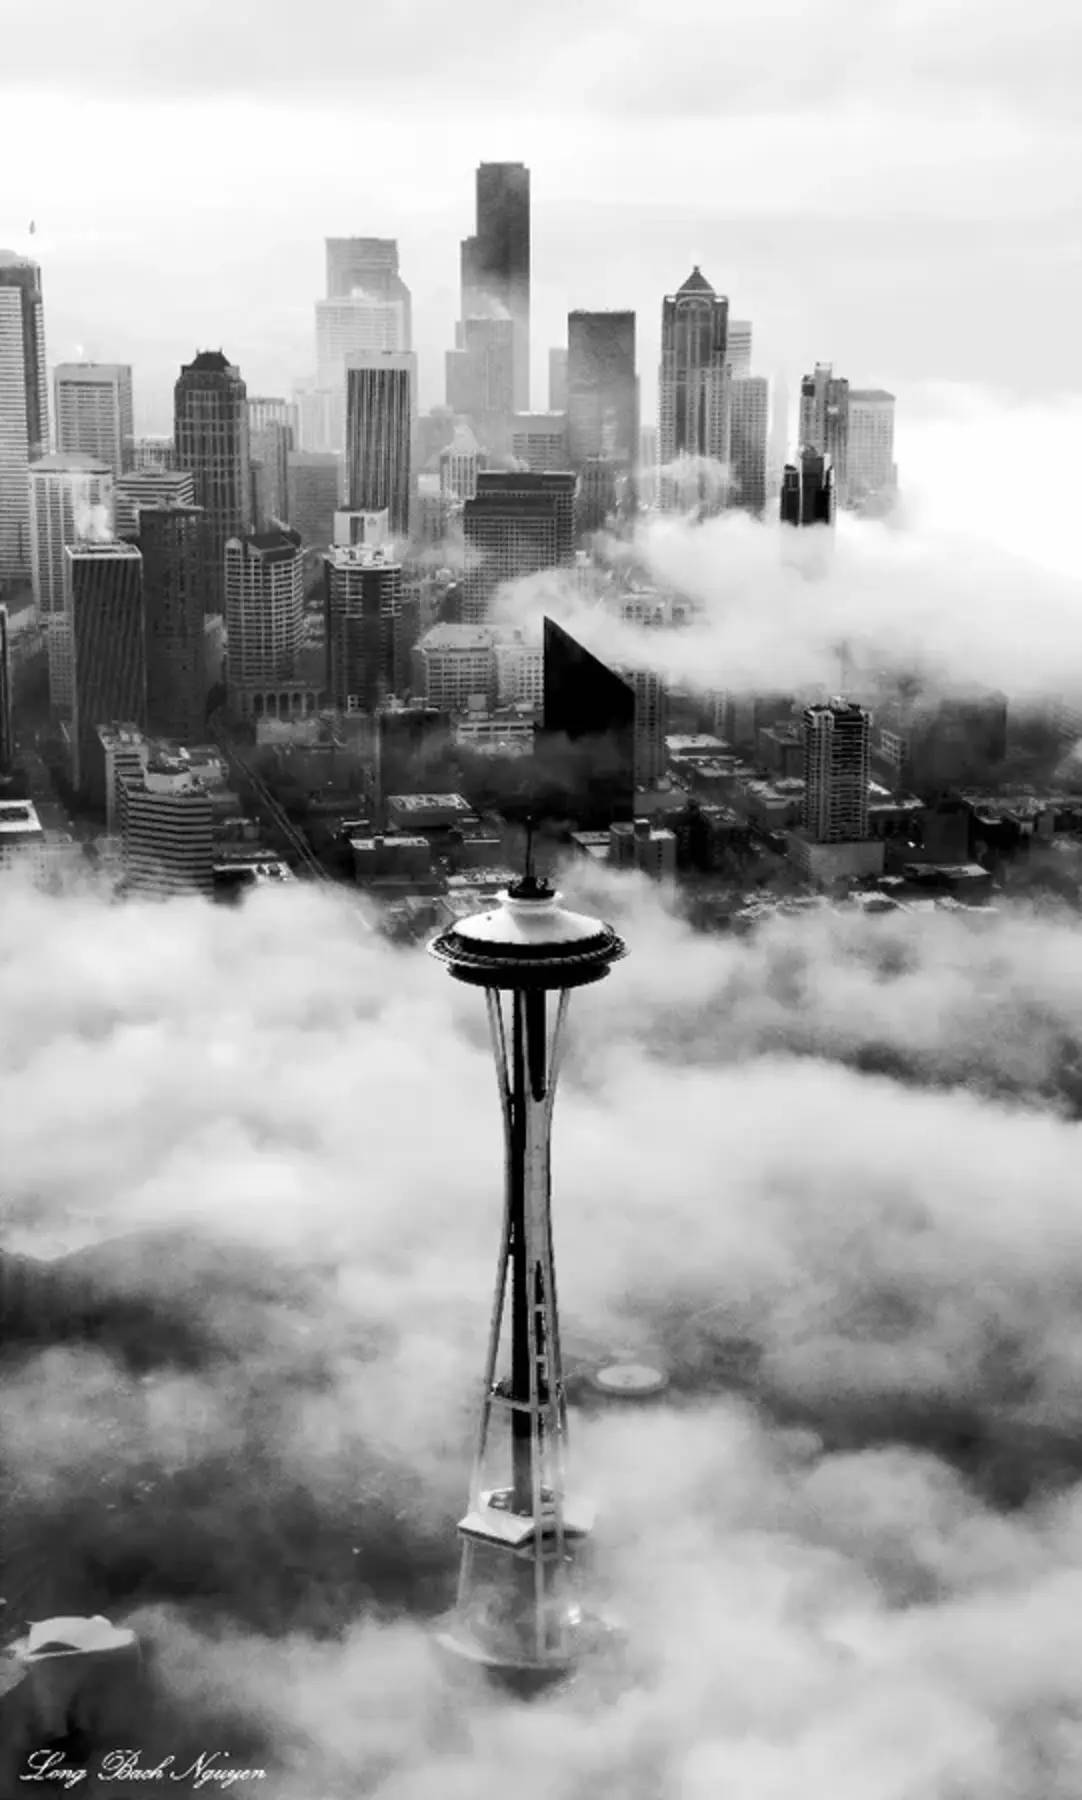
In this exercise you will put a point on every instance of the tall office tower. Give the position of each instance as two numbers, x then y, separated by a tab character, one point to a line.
647	478
314	494
271	446
360	265
93	408
171	539
777	450
693	397
7	696
362	605
212	440
807	490
824	422
738	354
602	391
354	325
837	770
149	487
540	441
264	610
318	417
166	829
871	443
650	724
270	409
749	413
599	494
381	412
458	466
154	453
70	502
558	379
517	524
104	596
592	709
480	379
24	406
496	263
808	494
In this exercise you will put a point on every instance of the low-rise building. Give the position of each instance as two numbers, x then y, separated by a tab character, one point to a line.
427	812
391	855
829	865
640	845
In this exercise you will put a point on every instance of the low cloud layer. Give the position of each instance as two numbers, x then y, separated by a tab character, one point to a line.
825	1173
971	582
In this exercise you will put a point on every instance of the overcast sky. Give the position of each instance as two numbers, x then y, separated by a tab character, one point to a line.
892	185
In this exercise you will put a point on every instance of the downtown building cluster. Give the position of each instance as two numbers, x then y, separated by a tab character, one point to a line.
294	571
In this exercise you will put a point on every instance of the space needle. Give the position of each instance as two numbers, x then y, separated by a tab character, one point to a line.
517	1614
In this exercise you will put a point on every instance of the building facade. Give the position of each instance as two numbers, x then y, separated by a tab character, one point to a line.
837	772
588	734
314	495
70	503
693	397
149	487
381	408
24	406
871	466
362	607
173	545
213	442
602	390
454	665
511	529
264	611
104	601
824	421
540	441
166	821
93	412
367	265
496	263
749	422
807	490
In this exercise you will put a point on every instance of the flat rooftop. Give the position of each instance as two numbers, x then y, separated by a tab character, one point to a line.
429	802
19	819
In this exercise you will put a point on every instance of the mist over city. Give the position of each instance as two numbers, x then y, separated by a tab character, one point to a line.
540	891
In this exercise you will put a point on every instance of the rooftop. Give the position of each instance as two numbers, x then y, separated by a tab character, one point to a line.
19	819
696	283
426	802
208	362
70	462
458	637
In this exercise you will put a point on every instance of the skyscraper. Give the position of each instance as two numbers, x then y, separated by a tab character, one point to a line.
314	495
871	443
269	409
363	603
749	405
348	326
271	446
364	265
739	348
480	378
824	421
70	502
807	490
381	406
496	262
602	390
7	696
693	410
212	440
264	613
837	770
459	465
24	406
104	595
517	524
172	542
591	709
93	407
558	378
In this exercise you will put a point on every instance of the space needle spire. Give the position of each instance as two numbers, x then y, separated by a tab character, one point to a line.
517	1614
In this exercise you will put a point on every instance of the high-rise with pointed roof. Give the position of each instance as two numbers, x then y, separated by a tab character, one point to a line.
693	387
24	405
212	440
